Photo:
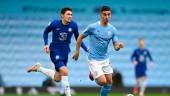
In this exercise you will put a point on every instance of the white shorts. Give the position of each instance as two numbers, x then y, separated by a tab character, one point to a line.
99	68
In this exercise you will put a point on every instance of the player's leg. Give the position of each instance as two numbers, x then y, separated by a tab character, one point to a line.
96	72
57	78
48	72
101	80
108	71
64	80
143	83
58	81
136	87
60	87
107	86
60	66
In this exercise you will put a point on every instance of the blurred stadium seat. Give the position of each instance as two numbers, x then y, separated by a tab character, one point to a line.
21	46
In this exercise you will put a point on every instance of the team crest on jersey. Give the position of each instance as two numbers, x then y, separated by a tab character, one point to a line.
109	33
69	29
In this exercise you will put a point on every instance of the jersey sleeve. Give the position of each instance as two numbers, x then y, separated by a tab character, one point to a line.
149	55
133	56
76	34
87	31
115	35
46	31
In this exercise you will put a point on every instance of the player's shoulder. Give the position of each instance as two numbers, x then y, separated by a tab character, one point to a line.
147	50
112	27
55	22
73	23
137	50
92	25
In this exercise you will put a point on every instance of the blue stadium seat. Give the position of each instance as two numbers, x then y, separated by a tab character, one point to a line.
22	43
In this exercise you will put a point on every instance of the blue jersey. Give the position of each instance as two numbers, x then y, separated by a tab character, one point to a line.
100	36
61	36
140	56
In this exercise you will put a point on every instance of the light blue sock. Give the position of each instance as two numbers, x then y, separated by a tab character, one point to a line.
105	90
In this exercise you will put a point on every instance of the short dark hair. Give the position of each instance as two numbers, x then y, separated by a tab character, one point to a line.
63	10
105	8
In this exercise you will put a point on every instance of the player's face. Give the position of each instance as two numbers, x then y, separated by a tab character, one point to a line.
105	16
67	16
141	44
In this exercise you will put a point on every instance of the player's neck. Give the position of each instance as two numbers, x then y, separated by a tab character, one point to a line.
141	48
103	23
64	22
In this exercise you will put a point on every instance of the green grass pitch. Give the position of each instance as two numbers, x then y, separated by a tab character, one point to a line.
90	94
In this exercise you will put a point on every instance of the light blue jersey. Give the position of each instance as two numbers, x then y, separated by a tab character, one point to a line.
100	37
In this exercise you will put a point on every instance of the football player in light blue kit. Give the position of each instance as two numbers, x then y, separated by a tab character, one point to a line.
100	34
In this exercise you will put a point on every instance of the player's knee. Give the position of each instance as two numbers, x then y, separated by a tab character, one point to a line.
102	82
63	71
57	78
109	81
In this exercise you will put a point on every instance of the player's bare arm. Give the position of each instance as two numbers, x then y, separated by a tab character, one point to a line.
78	44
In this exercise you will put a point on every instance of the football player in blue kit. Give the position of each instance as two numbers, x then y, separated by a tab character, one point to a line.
59	49
139	59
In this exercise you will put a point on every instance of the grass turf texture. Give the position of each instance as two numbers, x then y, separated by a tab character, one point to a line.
90	94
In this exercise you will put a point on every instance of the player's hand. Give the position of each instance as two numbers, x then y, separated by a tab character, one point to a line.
76	55
150	65
46	49
118	45
135	62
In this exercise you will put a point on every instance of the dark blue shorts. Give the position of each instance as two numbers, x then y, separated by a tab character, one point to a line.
59	59
139	74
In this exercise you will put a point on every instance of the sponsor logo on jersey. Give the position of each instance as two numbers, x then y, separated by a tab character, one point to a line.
57	57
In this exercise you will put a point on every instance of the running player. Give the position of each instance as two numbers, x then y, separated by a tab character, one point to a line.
62	31
139	59
100	34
